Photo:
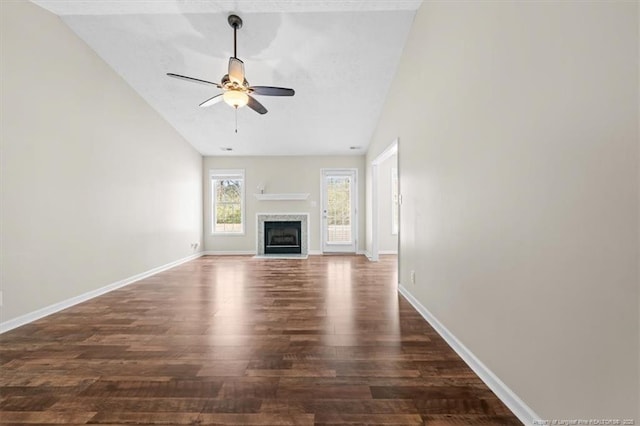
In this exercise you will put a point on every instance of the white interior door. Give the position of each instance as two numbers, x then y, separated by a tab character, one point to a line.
339	220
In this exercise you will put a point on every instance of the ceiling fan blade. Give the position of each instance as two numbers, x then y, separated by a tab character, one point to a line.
272	91
256	106
194	80
236	71
211	101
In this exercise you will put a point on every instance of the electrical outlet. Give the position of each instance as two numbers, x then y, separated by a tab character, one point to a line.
413	277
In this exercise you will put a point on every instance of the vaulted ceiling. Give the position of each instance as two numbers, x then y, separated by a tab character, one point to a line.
339	56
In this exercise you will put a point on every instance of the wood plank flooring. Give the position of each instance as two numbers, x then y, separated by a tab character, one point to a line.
233	340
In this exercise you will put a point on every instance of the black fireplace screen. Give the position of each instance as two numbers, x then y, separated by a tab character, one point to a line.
282	237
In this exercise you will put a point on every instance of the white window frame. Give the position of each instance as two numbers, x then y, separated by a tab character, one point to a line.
216	174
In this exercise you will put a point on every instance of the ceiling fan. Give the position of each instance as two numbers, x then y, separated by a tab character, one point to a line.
236	89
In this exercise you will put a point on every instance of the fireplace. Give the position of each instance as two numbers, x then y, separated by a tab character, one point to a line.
302	221
282	237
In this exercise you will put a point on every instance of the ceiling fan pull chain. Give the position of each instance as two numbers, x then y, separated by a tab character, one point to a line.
236	108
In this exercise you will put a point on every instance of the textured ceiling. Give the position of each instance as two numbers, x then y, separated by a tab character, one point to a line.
339	56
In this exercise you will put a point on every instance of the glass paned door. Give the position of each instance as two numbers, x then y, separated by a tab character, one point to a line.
338	210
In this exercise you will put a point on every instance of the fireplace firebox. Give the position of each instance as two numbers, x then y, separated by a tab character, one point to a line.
282	237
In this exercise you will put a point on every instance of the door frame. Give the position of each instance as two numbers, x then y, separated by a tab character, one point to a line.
387	153
354	209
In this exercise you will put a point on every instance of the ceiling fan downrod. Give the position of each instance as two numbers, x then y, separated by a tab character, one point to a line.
236	23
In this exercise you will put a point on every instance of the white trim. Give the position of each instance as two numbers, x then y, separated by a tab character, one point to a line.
387	251
229	253
386	154
226	172
395	200
373	254
506	395
230	173
281	197
315	253
64	304
355	199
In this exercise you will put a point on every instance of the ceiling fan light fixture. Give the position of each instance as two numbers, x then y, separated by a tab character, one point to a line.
235	98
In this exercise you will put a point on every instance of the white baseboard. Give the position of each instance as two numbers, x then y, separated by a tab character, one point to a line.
387	251
370	256
56	307
506	395
315	253
229	253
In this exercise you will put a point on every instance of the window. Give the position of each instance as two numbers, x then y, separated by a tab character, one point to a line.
227	194
339	209
394	201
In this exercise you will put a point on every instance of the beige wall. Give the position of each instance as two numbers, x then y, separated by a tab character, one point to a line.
96	187
278	175
518	129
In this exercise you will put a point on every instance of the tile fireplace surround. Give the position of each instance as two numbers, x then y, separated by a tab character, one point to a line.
283	217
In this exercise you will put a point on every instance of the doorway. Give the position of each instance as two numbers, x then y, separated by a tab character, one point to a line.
386	200
338	210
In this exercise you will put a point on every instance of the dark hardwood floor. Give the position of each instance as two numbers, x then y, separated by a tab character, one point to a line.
241	341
